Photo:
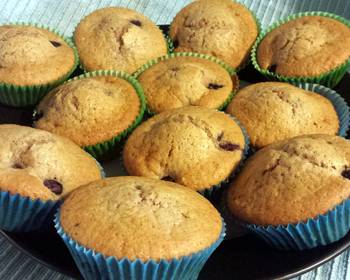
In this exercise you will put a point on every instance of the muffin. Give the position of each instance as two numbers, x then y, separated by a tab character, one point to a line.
273	111
37	170
140	226
194	146
35	57
118	38
295	192
93	109
223	28
184	79
305	46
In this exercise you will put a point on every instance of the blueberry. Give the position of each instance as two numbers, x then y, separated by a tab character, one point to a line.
54	186
214	86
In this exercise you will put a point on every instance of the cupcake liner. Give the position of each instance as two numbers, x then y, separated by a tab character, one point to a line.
246	62
94	265
320	231
329	79
21	96
340	105
229	69
108	149
23	214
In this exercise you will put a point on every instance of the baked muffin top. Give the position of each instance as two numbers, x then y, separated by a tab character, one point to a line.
37	164
140	218
305	46
194	146
292	180
223	28
89	110
273	111
118	38
32	56
182	81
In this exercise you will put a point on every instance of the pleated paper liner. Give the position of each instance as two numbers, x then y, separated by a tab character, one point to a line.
320	231
94	265
245	63
24	214
22	96
110	148
329	79
229	70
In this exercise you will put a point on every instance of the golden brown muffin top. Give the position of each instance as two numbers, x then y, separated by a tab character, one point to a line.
90	110
37	164
306	46
183	81
32	56
140	218
273	111
194	146
223	28
292	180
118	38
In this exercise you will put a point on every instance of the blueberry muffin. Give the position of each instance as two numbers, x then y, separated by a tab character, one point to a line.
193	146
292	181
305	47
89	110
273	111
118	38
179	222
40	165
184	80
223	28
32	56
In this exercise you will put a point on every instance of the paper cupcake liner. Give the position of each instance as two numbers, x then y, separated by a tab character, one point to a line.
94	265
320	231
246	62
21	96
329	79
340	105
110	148
229	69
23	214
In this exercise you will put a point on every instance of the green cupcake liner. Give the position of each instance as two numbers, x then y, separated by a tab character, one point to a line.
329	79
22	96
109	149
229	69
246	62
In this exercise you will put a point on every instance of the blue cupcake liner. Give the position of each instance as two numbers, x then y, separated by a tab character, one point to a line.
211	193
320	231
94	265
339	104
23	214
